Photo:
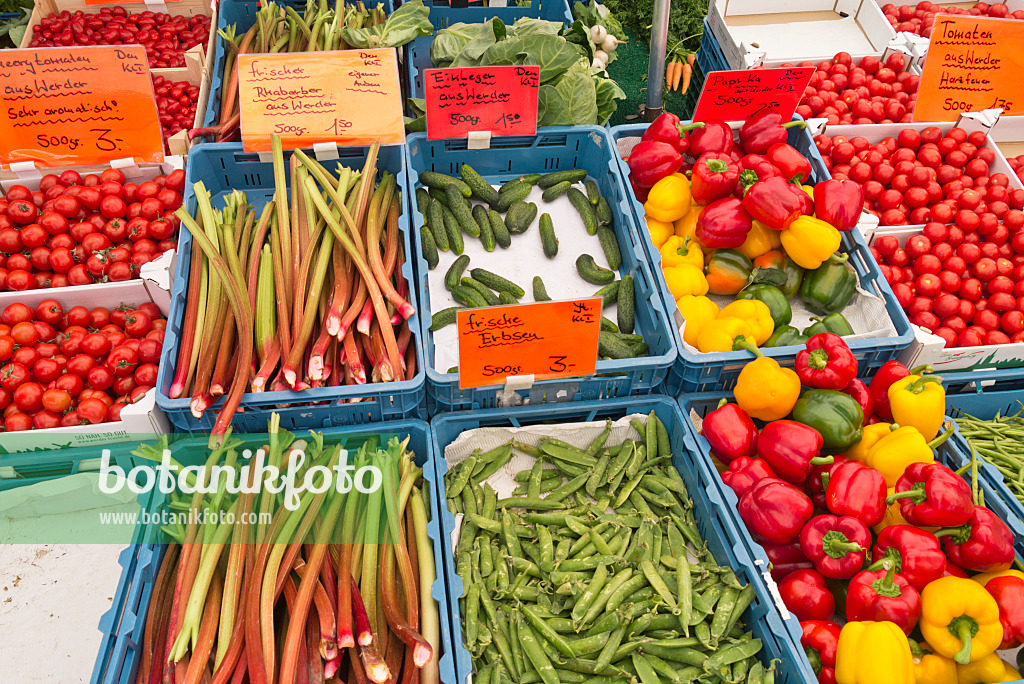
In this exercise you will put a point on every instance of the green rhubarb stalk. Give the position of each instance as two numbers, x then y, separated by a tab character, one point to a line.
265	318
430	625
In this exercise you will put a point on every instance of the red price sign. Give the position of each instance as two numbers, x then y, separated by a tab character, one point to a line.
501	100
739	95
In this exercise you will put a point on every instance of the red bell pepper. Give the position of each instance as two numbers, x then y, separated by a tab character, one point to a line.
820	639
714	177
916	553
806	203
932	495
753	168
730	432
837	546
786	558
791	448
1009	595
982	544
723	224
890	372
744	472
826	362
652	160
772	203
839	203
883	595
954	570
792	165
859	391
858	490
775	511
667	128
817	480
716	136
763	130
807	596
639	191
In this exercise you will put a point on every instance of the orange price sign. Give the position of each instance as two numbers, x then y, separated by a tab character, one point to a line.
544	340
350	97
973	64
78	105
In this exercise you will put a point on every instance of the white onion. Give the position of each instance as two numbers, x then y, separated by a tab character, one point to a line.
609	43
598	34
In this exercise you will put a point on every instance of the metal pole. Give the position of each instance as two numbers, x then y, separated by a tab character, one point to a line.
656	67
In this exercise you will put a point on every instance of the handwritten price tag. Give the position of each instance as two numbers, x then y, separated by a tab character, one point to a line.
78	105
739	95
502	100
545	340
973	64
351	97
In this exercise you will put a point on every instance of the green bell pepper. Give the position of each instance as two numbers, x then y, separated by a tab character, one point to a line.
728	271
828	288
777	303
836	323
793	272
836	415
785	336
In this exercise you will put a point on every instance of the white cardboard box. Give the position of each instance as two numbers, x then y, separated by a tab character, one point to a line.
1008	133
795	30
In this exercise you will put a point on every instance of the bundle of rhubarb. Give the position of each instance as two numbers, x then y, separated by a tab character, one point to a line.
321	28
257	591
270	302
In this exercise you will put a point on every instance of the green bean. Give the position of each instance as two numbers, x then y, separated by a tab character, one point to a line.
605	658
465	471
732	654
546	632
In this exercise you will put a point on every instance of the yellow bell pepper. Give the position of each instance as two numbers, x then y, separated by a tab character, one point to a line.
760	240
984	578
681	250
660	231
983	671
810	241
893	454
697	311
870	435
960	619
766	390
1010	673
931	668
756	313
873	653
669	199
893	514
687	226
919	401
685	279
720	335
809	190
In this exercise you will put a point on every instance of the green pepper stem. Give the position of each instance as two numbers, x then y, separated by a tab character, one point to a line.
886	586
918	386
835	544
839	258
915	649
964	628
798	124
916	493
741	344
814	659
941	438
722	403
818	359
922	369
683	128
822	460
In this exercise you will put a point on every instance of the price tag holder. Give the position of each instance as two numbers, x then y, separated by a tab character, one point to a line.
973	64
739	95
66	106
546	340
497	100
350	97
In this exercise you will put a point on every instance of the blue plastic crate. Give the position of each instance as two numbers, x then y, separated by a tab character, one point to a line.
32	467
583	147
954	453
224	167
694	372
780	637
710	56
143	576
243	16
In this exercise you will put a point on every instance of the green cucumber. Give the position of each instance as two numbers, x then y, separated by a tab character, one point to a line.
436	211
454	230
496	282
486	233
499	229
582	205
540	293
608	294
604	212
480	188
468	297
438	194
460	209
609	344
440	181
454	274
610	245
482	290
608	325
531	178
556	191
593	192
508	199
625	304
513	184
428	247
547	236
422	200
520	216
571	175
443	318
507	299
639	349
591	272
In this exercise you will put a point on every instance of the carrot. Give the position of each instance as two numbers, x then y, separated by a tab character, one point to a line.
687	74
676	75
690	58
669	71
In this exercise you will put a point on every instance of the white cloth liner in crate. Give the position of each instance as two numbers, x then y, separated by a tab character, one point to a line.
519	263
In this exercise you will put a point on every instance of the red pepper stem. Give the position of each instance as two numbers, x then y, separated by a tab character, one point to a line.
822	460
839	258
798	124
964	628
722	403
887	586
683	128
918	385
941	438
741	344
